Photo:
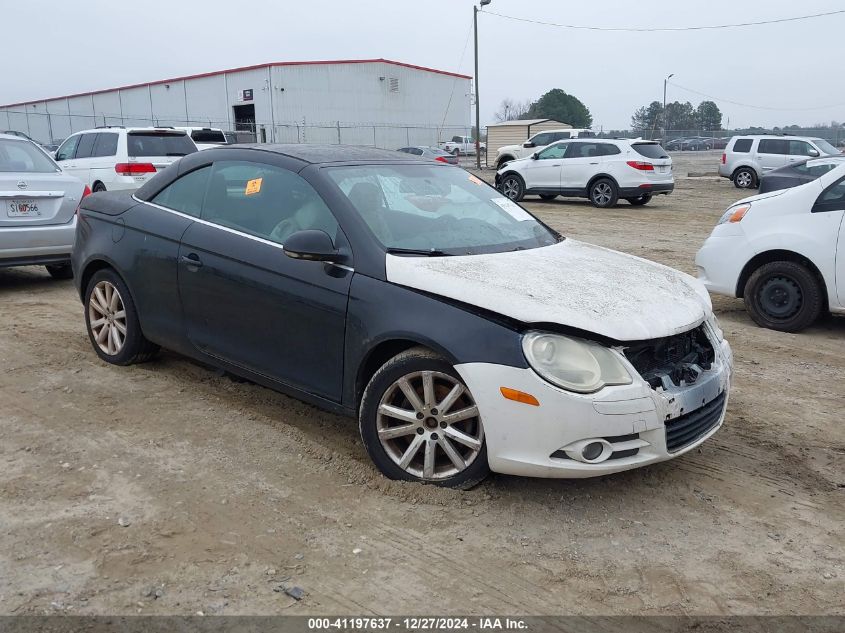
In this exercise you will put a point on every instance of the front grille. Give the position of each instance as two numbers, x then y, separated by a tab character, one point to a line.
673	357
685	430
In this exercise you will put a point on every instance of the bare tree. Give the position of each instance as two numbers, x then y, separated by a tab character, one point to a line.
511	110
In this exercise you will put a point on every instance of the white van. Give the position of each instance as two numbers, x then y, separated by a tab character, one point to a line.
206	137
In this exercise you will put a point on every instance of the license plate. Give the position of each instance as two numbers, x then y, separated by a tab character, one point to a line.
22	208
663	168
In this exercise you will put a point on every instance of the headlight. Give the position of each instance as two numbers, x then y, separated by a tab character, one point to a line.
573	364
735	213
713	322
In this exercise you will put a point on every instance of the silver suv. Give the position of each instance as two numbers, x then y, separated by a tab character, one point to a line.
748	158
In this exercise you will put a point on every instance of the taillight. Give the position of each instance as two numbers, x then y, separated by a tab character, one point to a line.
441	159
85	192
640	165
132	169
724	158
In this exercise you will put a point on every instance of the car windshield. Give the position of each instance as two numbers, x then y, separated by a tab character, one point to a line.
24	156
438	210
824	146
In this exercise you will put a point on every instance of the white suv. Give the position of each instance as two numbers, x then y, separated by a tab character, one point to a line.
206	137
539	141
602	170
111	158
747	158
783	252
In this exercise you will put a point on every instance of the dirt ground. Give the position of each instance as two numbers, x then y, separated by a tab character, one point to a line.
165	488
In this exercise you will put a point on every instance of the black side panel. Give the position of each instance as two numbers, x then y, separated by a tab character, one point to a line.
109	202
380	311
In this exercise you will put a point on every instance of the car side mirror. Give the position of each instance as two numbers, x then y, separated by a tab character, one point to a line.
311	245
535	156
814	153
528	145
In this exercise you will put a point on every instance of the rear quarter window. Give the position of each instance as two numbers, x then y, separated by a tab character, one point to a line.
742	145
208	136
650	150
159	144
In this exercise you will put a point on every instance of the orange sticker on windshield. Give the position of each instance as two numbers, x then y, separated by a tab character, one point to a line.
253	186
475	180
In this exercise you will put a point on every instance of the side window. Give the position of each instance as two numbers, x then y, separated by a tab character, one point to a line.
583	150
773	146
542	139
799	148
68	148
186	193
105	145
607	149
832	198
85	148
555	151
265	201
416	151
742	145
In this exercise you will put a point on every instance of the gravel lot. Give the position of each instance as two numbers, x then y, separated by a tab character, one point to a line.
166	488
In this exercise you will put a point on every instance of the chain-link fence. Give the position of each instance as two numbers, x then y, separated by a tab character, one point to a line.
706	139
53	128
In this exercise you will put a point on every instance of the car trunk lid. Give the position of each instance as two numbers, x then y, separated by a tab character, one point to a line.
28	199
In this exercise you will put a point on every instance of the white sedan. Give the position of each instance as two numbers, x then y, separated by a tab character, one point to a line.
783	252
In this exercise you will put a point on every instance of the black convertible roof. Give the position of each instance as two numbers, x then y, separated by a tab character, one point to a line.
318	154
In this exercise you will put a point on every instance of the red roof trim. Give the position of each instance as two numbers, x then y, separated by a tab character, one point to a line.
240	69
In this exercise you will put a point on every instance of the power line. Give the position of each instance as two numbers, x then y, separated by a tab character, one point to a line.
584	27
455	82
755	107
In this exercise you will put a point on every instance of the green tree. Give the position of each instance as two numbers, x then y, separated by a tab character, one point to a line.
558	105
648	118
680	116
708	116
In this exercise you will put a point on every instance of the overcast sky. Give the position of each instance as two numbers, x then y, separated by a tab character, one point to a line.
52	48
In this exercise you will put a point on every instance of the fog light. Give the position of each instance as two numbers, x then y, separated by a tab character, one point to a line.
592	451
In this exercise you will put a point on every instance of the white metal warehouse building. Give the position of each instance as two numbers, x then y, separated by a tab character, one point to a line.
374	102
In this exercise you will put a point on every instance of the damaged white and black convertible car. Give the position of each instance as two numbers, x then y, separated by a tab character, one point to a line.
463	333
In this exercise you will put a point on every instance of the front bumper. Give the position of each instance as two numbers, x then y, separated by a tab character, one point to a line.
36	244
721	259
533	440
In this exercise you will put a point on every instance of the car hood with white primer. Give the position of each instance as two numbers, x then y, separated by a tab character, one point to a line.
571	283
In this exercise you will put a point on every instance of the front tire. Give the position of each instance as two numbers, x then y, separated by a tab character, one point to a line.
603	193
419	422
112	321
783	296
640	200
513	187
60	271
745	178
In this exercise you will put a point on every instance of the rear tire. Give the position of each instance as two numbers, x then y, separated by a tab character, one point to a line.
745	178
393	428
456	152
640	200
60	271
548	196
603	193
513	187
783	296
112	321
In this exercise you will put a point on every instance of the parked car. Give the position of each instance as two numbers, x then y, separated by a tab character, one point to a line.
537	142
675	145
48	147
462	145
602	170
111	158
718	142
696	144
205	137
783	252
38	205
748	158
432	153
796	174
463	333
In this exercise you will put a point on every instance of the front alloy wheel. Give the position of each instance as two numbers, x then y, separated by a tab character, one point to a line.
513	188
419	422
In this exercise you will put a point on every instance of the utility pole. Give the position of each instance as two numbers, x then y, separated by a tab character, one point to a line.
665	118
475	11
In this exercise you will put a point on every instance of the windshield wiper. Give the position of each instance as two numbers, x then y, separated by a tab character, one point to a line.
432	252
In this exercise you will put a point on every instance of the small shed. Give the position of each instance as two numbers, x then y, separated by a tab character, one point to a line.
516	132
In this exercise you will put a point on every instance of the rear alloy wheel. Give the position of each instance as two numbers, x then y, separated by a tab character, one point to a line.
745	178
603	193
112	321
783	296
60	271
419	422
640	200
548	196
513	187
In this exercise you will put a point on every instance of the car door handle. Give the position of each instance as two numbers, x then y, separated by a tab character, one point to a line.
191	260
596	163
